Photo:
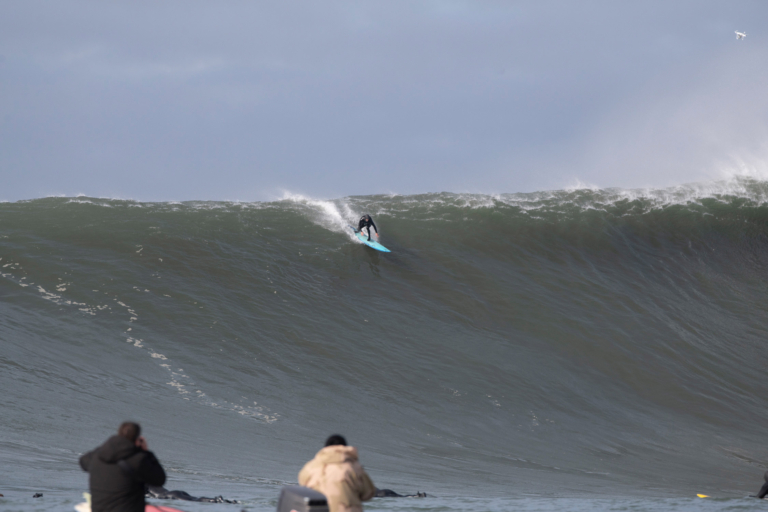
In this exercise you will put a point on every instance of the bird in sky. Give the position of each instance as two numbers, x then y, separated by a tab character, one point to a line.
740	35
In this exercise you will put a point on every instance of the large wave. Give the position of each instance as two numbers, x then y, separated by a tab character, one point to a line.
610	339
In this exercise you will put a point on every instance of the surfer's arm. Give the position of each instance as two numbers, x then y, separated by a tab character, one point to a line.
374	227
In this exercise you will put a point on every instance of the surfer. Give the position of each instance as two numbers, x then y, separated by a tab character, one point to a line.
366	222
119	469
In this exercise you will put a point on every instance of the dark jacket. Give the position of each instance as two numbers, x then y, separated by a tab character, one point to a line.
115	488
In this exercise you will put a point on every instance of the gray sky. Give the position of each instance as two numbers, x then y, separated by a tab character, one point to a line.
242	100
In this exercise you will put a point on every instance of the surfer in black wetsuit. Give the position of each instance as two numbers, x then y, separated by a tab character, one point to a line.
366	222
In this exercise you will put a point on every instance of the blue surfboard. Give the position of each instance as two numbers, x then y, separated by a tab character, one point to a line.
371	244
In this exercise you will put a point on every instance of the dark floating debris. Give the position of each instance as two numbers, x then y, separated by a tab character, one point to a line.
38	495
161	493
389	493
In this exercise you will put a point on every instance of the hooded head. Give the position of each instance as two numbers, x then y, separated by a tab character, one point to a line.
336	451
122	445
337	454
116	448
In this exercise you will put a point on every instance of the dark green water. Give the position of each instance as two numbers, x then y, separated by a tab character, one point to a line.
511	352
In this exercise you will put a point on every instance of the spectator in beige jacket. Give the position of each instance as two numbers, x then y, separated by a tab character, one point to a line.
336	473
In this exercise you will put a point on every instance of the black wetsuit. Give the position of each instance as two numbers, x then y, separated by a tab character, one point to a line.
366	222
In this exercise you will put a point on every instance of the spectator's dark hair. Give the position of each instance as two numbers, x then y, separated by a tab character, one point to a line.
129	430
336	439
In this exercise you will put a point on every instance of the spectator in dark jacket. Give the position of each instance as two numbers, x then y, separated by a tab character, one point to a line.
119	469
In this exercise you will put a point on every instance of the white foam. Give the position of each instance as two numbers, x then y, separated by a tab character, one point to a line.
746	180
332	215
181	382
177	376
745	184
577	184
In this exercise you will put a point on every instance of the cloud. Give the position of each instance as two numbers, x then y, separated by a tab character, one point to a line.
693	123
200	100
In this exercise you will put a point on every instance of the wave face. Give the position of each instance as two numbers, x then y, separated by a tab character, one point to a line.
602	342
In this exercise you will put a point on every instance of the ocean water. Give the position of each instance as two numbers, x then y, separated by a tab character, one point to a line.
574	349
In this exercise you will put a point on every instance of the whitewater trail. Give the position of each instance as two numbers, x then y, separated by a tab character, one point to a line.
334	216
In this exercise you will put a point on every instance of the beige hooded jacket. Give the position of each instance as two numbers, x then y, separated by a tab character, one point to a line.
336	473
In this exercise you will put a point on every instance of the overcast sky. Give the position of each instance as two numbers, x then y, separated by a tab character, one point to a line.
243	100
